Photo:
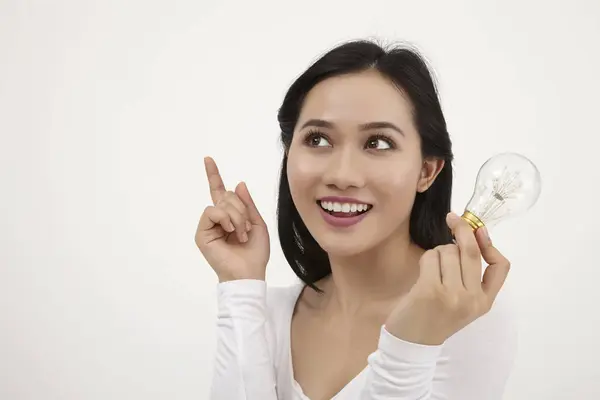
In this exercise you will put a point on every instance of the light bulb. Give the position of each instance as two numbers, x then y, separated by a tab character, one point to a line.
507	185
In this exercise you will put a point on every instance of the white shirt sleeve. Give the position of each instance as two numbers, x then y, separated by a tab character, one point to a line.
474	364
400	370
244	368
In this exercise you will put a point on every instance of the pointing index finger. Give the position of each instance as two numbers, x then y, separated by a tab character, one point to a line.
215	182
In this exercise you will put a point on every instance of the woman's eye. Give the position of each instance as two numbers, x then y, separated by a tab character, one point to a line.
378	144
317	141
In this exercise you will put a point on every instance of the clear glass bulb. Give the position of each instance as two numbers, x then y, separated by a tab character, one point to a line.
508	184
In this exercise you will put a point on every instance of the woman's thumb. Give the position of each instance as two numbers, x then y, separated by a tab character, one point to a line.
254	215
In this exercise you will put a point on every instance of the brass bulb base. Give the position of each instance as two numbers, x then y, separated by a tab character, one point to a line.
472	220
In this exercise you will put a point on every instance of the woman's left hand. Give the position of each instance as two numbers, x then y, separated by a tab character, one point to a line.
450	292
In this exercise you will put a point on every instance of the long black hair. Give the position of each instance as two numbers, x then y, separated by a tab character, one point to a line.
407	69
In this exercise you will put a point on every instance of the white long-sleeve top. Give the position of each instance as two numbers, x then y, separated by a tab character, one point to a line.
253	356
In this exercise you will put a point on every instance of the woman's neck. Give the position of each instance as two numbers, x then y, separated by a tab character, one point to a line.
370	281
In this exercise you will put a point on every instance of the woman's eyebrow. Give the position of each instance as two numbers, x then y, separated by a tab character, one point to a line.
321	123
380	125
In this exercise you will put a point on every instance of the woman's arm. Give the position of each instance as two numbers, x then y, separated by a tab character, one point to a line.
244	368
400	370
468	340
473	364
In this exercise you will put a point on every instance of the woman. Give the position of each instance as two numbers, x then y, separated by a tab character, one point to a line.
392	303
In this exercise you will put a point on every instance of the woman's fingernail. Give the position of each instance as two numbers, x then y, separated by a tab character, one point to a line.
244	237
248	226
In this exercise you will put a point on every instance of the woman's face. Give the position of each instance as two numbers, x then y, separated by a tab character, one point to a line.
354	164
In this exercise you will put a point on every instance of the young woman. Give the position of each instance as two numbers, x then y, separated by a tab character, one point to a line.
393	301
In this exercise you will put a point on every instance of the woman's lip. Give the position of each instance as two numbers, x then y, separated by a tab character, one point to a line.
342	222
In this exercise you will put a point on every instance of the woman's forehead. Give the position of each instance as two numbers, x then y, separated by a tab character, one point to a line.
357	99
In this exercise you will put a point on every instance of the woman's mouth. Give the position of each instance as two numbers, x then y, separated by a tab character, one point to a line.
343	214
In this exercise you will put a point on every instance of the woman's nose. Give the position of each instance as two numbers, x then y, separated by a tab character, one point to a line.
343	171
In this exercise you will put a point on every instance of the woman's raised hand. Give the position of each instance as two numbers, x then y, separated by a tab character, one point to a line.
231	234
450	292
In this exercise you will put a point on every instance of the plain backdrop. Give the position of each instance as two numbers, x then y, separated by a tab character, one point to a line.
107	109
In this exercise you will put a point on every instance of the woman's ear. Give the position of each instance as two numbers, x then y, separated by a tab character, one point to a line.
429	171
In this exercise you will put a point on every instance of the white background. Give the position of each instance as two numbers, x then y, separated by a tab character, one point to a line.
107	109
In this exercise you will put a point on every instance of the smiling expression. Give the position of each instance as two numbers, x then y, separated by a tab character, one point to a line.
355	164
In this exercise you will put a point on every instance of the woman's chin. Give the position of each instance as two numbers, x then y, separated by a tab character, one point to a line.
343	248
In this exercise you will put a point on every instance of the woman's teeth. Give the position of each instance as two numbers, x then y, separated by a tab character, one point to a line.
344	207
